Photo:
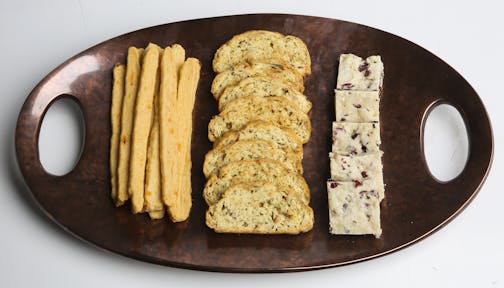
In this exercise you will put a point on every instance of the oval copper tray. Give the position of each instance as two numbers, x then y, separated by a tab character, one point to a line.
416	204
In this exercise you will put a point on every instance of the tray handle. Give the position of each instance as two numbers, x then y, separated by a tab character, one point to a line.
480	140
75	79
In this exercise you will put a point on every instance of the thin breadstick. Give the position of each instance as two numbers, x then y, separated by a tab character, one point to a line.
153	202
141	126
130	91
173	57
167	102
180	201
115	120
159	214
178	56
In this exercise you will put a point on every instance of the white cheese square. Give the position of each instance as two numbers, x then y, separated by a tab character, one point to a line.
353	209
355	73
359	168
357	106
355	138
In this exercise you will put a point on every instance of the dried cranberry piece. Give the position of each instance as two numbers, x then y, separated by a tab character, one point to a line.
353	151
335	133
366	73
357	183
364	174
346	86
357	106
338	129
363	66
333	185
368	194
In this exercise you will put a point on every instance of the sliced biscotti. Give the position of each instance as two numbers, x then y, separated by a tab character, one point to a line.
243	47
264	86
355	138
260	44
276	110
265	169
294	51
259	208
283	138
249	150
274	68
357	106
354	209
355	73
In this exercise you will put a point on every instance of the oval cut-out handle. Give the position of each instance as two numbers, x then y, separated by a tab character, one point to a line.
61	136
28	131
445	142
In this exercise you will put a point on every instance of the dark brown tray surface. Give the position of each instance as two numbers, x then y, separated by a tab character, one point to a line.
415	206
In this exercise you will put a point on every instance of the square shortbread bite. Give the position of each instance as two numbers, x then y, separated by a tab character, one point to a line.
357	106
354	209
355	73
355	138
359	168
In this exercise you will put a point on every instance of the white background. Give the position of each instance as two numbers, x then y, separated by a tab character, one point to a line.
36	36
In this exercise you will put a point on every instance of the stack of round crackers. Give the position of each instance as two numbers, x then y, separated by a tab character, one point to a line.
254	171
